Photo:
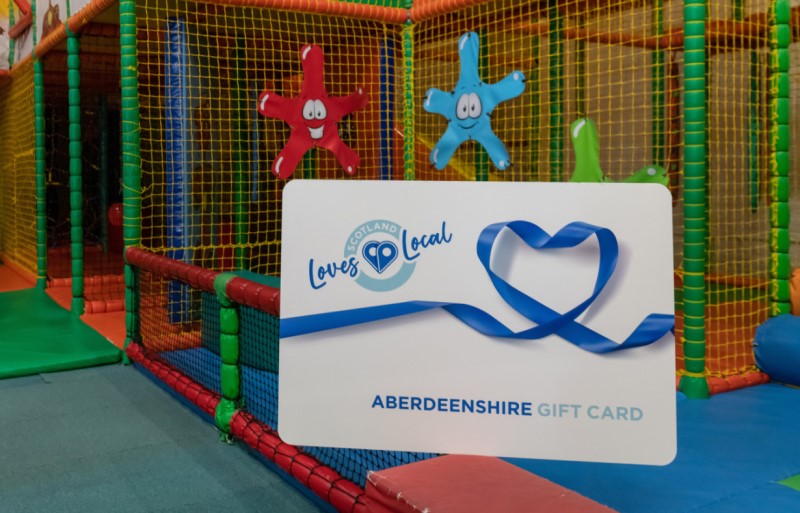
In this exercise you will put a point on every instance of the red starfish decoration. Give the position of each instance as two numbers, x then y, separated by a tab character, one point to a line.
312	115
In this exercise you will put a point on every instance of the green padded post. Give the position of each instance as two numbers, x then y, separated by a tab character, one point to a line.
780	106
131	158
75	170
738	10
132	312
409	172
230	383
693	382
556	69
309	164
41	174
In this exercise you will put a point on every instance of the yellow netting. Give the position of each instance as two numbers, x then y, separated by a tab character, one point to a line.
209	196
738	184
210	199
620	63
575	65
18	169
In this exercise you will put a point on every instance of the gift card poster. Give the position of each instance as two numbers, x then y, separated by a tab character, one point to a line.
479	318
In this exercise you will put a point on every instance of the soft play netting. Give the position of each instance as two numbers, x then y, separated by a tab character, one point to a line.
146	145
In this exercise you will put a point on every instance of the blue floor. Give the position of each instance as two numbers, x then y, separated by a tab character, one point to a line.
733	450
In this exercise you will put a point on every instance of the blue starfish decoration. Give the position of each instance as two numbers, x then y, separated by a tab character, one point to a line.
469	106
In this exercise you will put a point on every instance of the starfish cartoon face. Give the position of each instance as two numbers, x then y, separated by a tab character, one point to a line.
312	116
469	106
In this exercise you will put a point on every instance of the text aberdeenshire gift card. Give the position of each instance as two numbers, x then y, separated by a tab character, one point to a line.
507	319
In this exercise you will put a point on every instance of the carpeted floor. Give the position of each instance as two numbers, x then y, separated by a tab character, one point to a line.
108	439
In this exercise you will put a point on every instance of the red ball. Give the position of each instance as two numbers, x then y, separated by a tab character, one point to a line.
115	214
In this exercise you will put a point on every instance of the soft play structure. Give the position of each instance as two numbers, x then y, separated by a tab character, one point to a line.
187	112
69	93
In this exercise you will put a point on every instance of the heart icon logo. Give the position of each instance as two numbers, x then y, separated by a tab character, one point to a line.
380	254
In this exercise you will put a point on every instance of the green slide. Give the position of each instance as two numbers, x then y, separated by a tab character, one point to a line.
37	335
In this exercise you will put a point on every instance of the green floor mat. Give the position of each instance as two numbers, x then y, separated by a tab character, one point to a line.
792	482
37	335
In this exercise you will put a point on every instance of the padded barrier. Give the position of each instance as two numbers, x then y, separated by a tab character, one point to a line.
259	330
777	348
470	484
260	395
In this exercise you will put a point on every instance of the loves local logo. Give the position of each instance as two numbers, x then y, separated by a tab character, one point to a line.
380	255
372	242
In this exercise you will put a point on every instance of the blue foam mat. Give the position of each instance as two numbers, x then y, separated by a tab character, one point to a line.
776	346
732	450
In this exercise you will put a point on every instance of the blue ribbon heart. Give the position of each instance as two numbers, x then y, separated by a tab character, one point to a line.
548	321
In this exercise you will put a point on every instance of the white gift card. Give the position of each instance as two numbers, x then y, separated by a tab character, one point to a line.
505	319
